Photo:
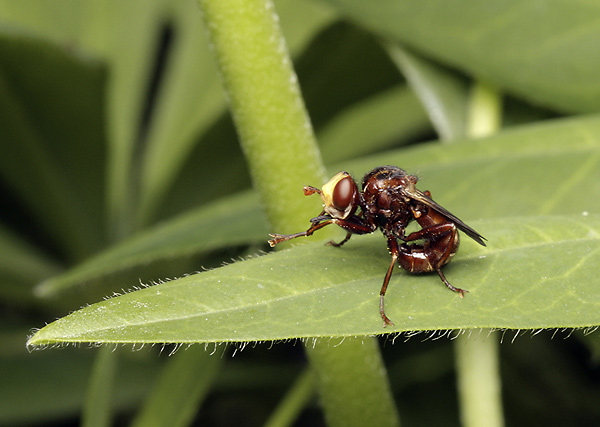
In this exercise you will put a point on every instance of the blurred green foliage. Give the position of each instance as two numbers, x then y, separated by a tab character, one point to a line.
119	163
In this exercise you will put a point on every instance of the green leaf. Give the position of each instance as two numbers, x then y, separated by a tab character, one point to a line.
51	133
128	36
29	382
181	389
236	220
548	55
388	119
442	92
189	100
125	36
548	168
246	301
342	66
537	272
494	177
301	21
21	267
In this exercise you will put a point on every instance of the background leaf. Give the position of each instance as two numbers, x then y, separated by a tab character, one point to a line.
546	55
189	376
39	122
29	378
389	119
234	221
21	266
443	92
469	177
94	94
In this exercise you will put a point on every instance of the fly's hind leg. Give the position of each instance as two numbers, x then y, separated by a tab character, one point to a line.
337	245
395	252
459	291
441	242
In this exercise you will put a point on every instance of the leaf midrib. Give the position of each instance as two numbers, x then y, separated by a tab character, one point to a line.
332	285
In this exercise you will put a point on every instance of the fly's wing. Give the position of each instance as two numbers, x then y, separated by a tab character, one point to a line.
421	197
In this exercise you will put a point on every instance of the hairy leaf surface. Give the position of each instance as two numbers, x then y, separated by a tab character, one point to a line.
536	273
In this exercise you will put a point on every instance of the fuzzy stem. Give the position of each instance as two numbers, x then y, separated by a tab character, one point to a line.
97	408
268	110
301	392
484	115
351	374
279	144
479	382
180	389
477	364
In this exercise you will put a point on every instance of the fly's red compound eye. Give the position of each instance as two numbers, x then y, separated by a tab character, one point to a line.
343	193
340	196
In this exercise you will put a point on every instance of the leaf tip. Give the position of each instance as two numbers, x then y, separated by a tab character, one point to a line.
33	343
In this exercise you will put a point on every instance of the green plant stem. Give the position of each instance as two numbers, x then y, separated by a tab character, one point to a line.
268	110
294	401
351	374
181	388
278	141
479	385
98	399
484	115
477	365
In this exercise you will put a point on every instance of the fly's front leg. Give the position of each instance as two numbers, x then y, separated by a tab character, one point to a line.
394	251
278	238
353	225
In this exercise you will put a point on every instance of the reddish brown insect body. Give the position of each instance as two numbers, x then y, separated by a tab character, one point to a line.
389	201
